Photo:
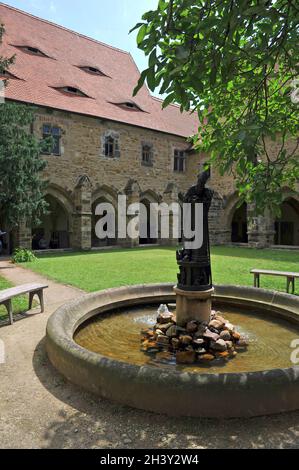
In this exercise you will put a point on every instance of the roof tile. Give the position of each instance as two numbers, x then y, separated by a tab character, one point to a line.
67	50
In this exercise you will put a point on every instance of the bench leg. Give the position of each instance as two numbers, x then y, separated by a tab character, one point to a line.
293	285
41	300
31	296
289	282
257	280
8	305
40	295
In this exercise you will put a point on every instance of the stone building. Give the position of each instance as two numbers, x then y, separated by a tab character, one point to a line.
107	143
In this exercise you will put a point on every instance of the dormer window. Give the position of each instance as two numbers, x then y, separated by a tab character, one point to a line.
129	106
72	91
93	71
33	50
5	75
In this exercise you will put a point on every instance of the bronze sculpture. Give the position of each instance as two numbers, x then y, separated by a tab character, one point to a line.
195	264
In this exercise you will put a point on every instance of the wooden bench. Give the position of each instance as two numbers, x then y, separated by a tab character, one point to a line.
289	276
7	295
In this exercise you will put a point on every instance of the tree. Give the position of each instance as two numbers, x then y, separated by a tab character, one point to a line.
4	62
21	188
233	62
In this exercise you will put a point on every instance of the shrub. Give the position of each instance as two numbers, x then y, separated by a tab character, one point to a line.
21	255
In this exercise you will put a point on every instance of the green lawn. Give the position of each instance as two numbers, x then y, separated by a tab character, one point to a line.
20	304
100	270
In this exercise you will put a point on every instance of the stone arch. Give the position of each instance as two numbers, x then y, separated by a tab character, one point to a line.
151	196
147	198
235	219
132	187
286	226
107	192
55	229
104	194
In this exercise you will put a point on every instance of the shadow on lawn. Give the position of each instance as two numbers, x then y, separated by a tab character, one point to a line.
98	423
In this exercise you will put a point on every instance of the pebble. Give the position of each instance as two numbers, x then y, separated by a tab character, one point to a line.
196	342
175	343
225	335
192	327
207	357
186	357
210	335
162	340
219	345
186	339
216	324
172	331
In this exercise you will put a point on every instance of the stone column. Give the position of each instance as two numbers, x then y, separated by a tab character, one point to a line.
132	192
219	233
196	305
170	196
261	231
81	239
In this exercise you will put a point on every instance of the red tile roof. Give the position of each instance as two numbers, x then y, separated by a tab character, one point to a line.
67	51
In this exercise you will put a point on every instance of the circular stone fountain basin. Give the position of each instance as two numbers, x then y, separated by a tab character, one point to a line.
95	343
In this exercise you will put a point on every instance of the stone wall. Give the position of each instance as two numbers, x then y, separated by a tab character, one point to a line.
81	176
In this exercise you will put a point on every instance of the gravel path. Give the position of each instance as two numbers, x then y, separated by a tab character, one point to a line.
39	409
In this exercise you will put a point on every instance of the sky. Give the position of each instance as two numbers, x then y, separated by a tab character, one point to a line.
108	21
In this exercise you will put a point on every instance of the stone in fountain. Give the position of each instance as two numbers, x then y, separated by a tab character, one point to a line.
194	290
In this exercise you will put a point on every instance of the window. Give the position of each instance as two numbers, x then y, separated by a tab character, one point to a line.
33	50
55	133
128	106
72	91
179	161
147	154
111	145
6	74
93	71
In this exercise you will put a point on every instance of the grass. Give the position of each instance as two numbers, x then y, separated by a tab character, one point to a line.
20	304
104	269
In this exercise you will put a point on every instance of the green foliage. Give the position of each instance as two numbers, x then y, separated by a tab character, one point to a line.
21	188
4	61
232	62
21	255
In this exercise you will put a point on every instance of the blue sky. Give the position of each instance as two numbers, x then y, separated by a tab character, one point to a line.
108	21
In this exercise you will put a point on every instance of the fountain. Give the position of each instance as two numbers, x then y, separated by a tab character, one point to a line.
193	361
194	333
195	288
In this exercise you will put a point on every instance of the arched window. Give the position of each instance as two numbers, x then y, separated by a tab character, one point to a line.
147	154
111	145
